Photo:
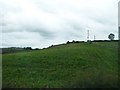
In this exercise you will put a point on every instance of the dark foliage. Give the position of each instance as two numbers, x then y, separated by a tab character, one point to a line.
15	49
27	48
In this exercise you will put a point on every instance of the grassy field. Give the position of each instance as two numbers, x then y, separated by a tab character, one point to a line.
80	65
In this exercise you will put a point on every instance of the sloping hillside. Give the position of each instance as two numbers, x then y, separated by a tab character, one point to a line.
71	65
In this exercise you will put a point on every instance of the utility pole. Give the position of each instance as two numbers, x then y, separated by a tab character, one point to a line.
88	35
94	37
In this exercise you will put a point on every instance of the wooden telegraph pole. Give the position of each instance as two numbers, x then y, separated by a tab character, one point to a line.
88	35
94	37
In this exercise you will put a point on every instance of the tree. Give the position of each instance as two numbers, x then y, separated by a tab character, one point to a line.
68	42
36	48
111	36
73	41
27	48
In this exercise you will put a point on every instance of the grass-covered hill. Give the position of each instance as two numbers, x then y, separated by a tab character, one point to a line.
80	65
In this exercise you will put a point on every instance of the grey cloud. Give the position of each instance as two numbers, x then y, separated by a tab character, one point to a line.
42	32
76	26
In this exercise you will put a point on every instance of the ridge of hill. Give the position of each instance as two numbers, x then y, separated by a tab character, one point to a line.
24	49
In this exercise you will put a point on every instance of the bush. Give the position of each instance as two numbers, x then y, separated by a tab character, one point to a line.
68	42
27	48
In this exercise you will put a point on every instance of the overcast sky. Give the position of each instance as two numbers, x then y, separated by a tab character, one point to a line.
41	23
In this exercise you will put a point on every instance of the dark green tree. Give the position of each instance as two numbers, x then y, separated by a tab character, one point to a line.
111	36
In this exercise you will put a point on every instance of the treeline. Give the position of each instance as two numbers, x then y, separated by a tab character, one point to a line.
105	41
88	41
19	49
92	41
16	49
68	42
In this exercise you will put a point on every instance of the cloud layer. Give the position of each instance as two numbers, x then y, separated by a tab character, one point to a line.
41	23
